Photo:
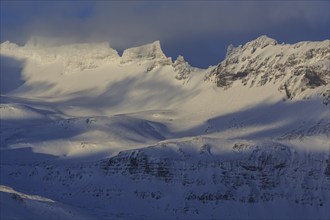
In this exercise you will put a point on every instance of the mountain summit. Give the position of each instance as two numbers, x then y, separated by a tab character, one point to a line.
260	42
147	51
299	70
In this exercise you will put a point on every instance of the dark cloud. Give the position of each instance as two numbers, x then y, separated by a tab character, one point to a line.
181	26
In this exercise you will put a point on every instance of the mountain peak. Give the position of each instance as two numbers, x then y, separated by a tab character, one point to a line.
260	42
182	67
148	51
299	70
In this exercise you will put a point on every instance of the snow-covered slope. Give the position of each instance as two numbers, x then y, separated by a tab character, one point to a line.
17	205
92	133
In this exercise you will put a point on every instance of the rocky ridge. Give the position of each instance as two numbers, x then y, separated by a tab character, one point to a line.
299	69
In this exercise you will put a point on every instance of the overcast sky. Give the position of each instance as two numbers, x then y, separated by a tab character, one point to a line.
199	30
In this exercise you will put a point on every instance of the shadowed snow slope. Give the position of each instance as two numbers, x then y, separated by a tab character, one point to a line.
86	133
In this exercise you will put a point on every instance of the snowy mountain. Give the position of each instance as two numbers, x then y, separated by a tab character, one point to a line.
86	133
301	69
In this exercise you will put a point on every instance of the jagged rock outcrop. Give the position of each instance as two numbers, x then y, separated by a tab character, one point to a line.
182	68
294	68
149	52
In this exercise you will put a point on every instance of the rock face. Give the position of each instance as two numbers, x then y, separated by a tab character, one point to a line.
200	180
182	68
148	51
299	70
254	173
